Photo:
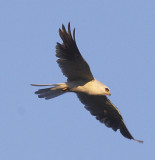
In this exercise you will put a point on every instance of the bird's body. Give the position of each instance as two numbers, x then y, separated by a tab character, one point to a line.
93	87
91	92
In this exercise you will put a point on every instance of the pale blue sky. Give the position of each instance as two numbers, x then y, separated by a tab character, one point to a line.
117	38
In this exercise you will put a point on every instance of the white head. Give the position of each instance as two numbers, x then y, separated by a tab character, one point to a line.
107	91
100	88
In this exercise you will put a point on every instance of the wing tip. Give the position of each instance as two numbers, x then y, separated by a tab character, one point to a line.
139	141
125	132
63	28
69	31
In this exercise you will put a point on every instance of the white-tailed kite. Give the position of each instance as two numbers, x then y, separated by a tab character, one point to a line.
91	92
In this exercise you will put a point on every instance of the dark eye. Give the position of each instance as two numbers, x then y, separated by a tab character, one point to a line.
107	89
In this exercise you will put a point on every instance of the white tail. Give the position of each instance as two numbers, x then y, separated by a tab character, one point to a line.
48	93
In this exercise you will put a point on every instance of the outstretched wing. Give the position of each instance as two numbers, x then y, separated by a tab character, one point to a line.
104	111
70	61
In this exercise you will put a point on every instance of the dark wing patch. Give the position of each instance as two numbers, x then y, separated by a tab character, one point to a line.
104	111
70	60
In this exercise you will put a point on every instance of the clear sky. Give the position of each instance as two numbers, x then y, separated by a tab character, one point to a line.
117	38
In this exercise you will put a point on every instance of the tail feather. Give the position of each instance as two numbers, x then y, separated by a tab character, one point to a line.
44	84
40	91
52	92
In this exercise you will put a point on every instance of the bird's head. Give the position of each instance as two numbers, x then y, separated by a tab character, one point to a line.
107	91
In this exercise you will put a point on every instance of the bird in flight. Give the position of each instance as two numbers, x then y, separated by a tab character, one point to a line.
91	92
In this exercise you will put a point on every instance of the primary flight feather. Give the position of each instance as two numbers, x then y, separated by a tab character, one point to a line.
91	92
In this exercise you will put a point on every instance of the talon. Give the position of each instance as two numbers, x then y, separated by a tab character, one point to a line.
65	89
